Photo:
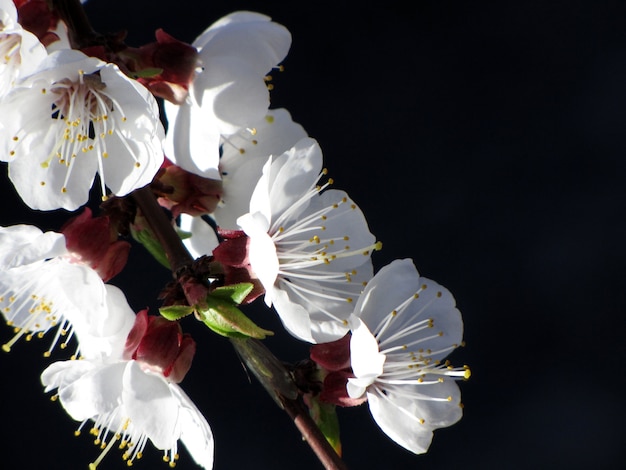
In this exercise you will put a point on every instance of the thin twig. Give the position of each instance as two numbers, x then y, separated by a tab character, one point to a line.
261	359
81	34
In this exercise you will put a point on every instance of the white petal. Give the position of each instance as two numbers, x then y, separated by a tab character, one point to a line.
260	199
366	361
231	94
150	405
192	140
104	336
262	251
273	134
25	244
43	295
243	157
356	387
294	317
238	188
203	238
318	300
293	174
136	152
62	373
195	431
252	37
95	392
9	8
392	285
42	187
400	416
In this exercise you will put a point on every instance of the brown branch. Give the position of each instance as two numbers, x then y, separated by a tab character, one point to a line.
274	377
79	29
313	436
280	386
176	252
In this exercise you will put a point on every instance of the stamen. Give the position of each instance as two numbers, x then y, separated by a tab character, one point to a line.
112	441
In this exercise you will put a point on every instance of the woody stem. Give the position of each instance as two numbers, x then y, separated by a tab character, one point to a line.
82	34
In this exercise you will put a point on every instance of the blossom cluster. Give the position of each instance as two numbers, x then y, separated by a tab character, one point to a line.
262	219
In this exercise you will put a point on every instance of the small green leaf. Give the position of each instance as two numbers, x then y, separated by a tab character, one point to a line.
147	73
147	239
227	320
325	416
174	312
234	292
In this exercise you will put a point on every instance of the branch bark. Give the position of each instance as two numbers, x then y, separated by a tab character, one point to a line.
270	372
283	390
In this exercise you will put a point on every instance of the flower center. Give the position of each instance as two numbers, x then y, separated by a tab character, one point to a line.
83	117
32	315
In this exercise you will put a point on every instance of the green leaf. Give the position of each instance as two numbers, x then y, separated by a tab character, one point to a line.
227	320
174	312
234	292
325	416
149	241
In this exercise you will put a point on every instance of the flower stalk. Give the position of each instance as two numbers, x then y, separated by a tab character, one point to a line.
180	258
82	34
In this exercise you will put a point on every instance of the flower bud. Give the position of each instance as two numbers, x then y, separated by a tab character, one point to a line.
93	241
183	192
160	346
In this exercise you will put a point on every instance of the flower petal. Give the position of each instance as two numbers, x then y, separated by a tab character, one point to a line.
150	405
408	420
367	362
195	431
25	244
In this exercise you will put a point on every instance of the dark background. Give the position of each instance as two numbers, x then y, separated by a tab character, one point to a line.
485	140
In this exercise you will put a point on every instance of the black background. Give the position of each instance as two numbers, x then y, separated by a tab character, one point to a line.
485	140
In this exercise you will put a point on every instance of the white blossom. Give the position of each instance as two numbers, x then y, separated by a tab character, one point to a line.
404	327
42	290
243	156
309	246
229	93
74	117
129	406
20	50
